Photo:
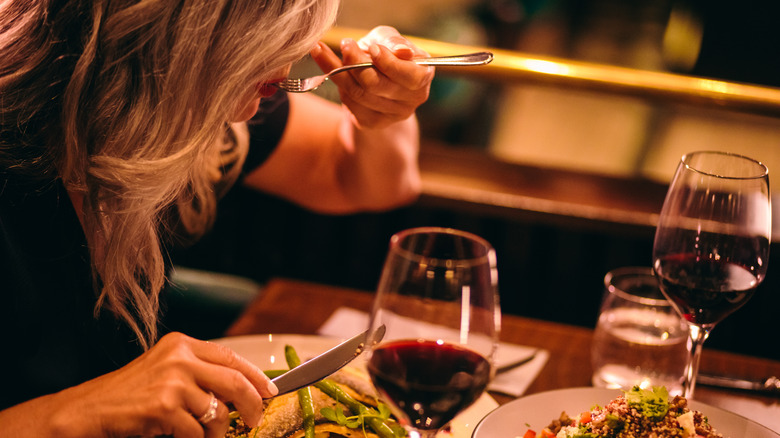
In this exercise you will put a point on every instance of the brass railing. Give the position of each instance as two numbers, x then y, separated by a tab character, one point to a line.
516	67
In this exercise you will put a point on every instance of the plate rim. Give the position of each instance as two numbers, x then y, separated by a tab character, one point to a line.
265	335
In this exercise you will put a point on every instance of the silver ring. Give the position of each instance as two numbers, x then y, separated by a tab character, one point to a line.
211	412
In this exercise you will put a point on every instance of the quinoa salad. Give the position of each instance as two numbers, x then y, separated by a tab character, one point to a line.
638	413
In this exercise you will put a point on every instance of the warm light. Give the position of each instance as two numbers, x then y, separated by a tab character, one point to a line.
271	339
465	314
716	86
549	67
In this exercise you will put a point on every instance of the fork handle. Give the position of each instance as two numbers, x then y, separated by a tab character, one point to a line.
478	58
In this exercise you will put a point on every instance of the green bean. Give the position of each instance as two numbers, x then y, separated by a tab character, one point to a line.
274	373
371	416
291	356
304	394
307	409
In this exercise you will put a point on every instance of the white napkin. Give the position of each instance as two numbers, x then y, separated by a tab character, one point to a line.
345	322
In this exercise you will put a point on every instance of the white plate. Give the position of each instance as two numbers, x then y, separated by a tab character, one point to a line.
267	353
536	412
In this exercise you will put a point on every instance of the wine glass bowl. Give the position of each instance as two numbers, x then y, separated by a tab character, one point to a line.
438	300
711	245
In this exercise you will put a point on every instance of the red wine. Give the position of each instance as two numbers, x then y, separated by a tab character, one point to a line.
430	382
705	290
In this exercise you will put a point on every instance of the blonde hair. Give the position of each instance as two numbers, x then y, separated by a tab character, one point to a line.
125	101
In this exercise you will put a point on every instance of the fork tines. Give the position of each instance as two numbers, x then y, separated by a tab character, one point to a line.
292	85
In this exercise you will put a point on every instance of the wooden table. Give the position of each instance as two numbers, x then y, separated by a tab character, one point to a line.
296	307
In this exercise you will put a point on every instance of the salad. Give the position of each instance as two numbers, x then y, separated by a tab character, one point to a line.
638	413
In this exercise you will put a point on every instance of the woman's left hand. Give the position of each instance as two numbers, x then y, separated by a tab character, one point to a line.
391	92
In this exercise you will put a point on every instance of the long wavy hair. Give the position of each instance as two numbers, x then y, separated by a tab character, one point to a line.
125	100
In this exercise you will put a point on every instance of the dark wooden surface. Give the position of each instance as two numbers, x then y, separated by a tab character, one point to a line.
298	307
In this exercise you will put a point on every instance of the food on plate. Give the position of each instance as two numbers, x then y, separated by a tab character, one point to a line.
637	413
343	405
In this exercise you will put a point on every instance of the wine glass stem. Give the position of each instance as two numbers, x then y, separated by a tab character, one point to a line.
698	334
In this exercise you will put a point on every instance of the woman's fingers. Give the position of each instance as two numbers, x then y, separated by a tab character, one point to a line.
324	57
388	93
168	389
181	424
232	387
214	419
389	37
182	408
221	355
407	74
390	77
203	368
233	379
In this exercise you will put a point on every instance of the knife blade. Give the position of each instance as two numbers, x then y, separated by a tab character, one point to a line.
767	386
327	363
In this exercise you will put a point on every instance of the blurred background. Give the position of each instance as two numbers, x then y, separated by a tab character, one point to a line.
565	182
587	131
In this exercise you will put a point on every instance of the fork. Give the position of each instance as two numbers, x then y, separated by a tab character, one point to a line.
308	84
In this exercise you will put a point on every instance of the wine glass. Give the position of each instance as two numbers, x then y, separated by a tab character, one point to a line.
438	298
712	242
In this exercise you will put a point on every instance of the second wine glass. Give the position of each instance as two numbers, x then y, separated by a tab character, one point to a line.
711	246
438	298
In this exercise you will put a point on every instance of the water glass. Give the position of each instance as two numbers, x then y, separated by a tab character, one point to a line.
639	339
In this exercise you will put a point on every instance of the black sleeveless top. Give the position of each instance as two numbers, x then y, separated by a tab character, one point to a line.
51	337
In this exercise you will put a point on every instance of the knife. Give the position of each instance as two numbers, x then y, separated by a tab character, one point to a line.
327	363
767	386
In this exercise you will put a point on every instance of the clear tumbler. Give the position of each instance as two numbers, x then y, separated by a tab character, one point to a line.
639	339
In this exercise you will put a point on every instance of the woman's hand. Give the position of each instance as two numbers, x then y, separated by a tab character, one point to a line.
162	392
389	93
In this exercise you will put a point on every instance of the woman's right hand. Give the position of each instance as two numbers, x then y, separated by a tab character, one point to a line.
162	392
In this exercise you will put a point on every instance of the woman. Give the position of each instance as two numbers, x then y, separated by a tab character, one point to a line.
121	122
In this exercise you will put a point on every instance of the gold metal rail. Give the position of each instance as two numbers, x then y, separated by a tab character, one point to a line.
514	67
